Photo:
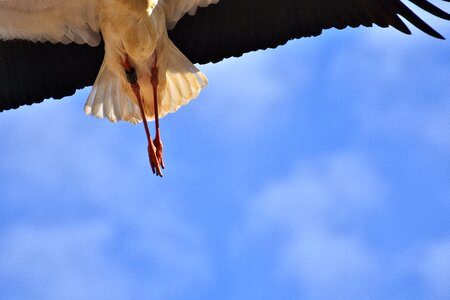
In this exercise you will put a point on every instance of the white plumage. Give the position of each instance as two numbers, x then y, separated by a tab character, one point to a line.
136	28
61	21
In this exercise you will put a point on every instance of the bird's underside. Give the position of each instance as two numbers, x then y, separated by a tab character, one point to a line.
130	51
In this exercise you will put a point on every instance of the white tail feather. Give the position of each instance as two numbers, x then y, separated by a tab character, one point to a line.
183	81
108	99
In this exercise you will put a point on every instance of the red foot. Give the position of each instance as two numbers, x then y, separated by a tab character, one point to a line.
159	149
155	162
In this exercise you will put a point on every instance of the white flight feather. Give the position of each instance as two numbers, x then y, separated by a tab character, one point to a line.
63	21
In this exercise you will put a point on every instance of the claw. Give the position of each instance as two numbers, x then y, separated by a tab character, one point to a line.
154	161
159	150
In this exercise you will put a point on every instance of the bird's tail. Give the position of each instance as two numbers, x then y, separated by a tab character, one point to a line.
111	98
183	81
108	99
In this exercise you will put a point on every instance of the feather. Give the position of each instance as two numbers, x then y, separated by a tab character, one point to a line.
50	20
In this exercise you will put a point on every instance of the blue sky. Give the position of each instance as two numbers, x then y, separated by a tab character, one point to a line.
317	170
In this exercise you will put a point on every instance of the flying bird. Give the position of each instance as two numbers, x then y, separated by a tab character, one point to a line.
139	55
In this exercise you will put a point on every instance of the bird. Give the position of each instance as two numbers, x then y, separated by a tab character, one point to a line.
139	55
143	74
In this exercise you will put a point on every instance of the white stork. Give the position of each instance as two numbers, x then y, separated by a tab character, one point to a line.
133	51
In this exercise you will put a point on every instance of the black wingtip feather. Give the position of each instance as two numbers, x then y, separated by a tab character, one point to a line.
408	14
432	9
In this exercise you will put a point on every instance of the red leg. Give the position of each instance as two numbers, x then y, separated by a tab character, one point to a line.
157	141
132	79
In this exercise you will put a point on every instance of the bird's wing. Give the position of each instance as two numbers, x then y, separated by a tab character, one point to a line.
57	21
233	27
229	28
176	9
32	72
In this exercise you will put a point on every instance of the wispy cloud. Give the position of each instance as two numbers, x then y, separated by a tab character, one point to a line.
59	262
80	223
320	211
243	94
399	90
330	265
423	123
317	223
130	254
435	268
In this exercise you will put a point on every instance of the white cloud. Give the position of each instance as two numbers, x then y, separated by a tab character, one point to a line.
104	259
59	145
60	262
243	94
94	223
317	214
329	265
322	190
425	123
397	83
435	269
314	225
